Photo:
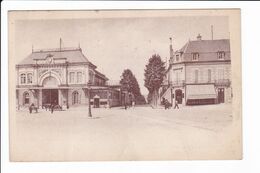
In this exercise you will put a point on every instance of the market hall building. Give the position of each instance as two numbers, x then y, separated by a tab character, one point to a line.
199	73
62	76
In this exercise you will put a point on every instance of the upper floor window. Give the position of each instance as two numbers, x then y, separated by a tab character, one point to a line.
29	78
209	75
23	78
177	58
79	77
196	76
91	77
195	56
220	74
221	55
72	76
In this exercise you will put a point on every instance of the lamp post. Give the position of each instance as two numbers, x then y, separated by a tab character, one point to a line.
89	102
124	89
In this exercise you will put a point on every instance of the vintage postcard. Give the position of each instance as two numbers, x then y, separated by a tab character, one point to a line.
125	85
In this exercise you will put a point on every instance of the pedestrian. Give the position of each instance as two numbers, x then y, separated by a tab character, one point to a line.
125	106
163	101
52	107
176	104
30	108
167	104
133	104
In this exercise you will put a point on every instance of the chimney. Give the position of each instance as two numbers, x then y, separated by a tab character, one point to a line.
199	37
171	50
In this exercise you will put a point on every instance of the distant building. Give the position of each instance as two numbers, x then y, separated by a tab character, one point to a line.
199	73
62	76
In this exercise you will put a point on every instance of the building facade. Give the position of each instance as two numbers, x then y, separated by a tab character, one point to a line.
62	76
199	73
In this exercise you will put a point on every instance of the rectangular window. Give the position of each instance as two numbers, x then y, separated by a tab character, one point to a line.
209	75
220	74
79	77
177	58
29	78
195	56
72	74
196	76
23	78
221	55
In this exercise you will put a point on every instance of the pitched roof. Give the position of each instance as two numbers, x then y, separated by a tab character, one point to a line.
72	55
207	46
207	49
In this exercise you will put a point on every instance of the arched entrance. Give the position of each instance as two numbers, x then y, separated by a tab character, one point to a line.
178	96
50	94
26	98
75	97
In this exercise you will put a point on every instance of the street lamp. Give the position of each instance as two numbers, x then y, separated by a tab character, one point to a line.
89	103
124	89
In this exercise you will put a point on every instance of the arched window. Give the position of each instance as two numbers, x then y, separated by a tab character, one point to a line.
23	78
29	78
26	98
79	77
75	98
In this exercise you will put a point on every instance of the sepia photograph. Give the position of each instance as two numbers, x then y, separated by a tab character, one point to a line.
125	85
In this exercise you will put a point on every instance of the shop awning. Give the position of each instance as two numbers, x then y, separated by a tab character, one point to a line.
200	92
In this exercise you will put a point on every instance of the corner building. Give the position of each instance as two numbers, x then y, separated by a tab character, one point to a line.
199	73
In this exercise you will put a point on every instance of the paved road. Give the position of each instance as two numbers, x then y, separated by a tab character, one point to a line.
141	133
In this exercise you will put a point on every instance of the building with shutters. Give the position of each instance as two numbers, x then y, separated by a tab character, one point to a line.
199	73
63	76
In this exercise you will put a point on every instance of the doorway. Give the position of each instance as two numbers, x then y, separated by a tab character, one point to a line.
96	102
221	95
50	96
178	96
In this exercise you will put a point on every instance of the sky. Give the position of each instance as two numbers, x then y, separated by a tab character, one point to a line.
115	44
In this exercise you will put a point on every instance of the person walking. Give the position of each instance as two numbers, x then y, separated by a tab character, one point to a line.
133	104
176	104
52	107
31	108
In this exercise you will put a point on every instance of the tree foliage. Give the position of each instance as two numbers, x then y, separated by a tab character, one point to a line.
154	73
128	79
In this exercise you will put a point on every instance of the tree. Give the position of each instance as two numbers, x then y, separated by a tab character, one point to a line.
128	79
153	75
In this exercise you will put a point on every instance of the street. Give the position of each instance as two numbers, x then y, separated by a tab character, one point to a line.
140	133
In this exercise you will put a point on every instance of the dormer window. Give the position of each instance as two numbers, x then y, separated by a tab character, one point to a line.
177	58
221	55
195	56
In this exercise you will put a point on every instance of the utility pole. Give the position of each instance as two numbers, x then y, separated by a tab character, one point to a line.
89	101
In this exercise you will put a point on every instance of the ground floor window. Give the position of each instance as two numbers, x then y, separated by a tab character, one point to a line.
26	97
75	98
